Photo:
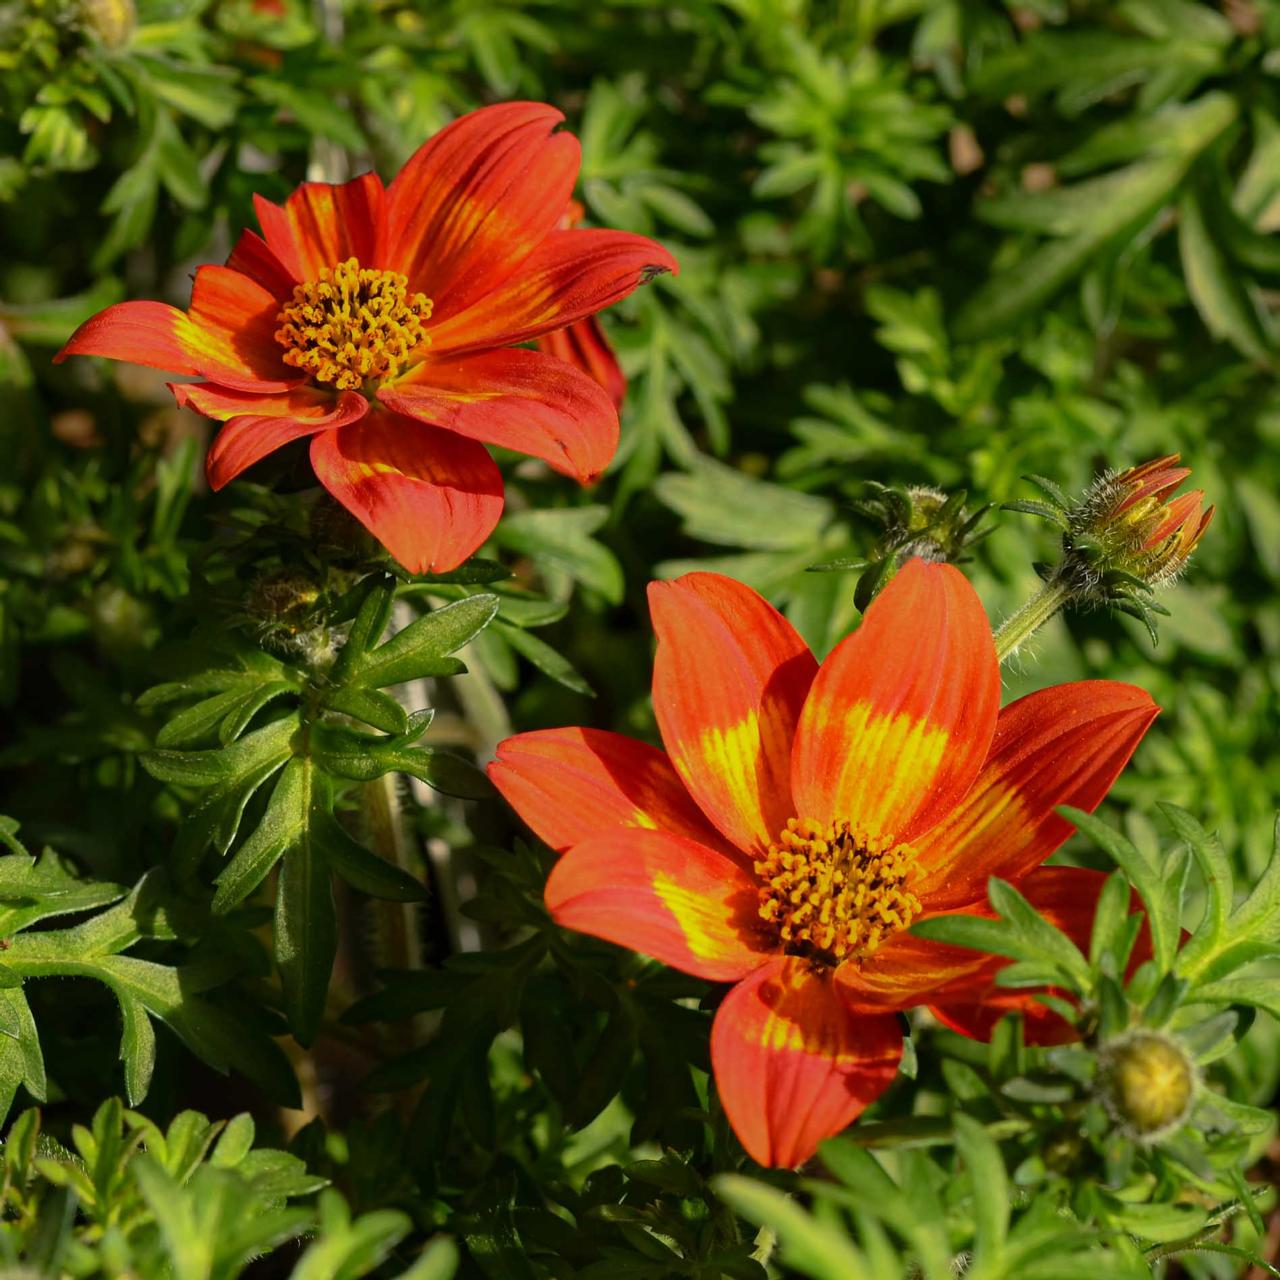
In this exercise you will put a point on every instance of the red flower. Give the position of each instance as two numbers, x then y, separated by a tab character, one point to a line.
382	324
1133	523
584	344
803	817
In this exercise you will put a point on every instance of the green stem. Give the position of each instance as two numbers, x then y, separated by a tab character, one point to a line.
1019	627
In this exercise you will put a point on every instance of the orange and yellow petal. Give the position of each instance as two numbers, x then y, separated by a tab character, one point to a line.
153	334
1068	898
1062	745
572	784
475	200
585	346
793	1064
571	275
517	399
224	403
901	715
259	425
906	971
429	496
322	224
227	335
236	319
665	896
252	257
729	679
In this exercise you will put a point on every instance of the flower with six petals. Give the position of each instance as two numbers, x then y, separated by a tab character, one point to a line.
803	817
383	325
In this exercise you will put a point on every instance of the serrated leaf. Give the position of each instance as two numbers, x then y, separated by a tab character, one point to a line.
421	649
222	764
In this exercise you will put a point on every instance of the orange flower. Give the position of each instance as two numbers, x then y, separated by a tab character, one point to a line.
1132	523
383	325
584	344
803	817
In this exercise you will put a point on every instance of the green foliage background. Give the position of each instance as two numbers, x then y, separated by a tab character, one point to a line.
942	242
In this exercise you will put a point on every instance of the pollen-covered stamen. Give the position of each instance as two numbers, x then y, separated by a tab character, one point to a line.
353	325
835	891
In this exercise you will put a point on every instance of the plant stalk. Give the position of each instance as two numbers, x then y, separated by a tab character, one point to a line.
1020	626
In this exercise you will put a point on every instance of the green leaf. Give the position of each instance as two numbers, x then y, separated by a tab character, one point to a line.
364	870
438	1261
990	1187
421	648
223	764
544	657
306	925
1160	891
137	1049
816	1247
21	1059
315	110
1215	867
721	505
562	539
1228	307
283	824
1021	933
367	627
371	706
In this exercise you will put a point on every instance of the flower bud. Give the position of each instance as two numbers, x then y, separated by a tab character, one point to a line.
1123	540
916	520
1132	524
289	613
1148	1083
112	21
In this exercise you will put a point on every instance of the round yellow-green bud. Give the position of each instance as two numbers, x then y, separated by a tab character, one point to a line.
112	21
1148	1083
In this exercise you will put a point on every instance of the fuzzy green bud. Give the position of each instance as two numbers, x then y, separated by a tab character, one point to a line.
1148	1083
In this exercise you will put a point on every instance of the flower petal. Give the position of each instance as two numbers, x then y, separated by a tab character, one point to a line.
322	224
521	400
665	896
900	717
429	496
585	346
225	403
236	317
476	199
907	971
1068	897
729	679
227	335
1063	745
153	334
572	784
260	425
569	276
793	1065
252	257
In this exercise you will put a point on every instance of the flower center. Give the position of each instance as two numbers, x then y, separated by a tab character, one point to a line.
835	891
352	325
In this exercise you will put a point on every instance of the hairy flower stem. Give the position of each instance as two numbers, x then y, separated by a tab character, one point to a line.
1019	627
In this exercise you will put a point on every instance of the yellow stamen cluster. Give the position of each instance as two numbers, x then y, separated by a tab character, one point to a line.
353	325
835	891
